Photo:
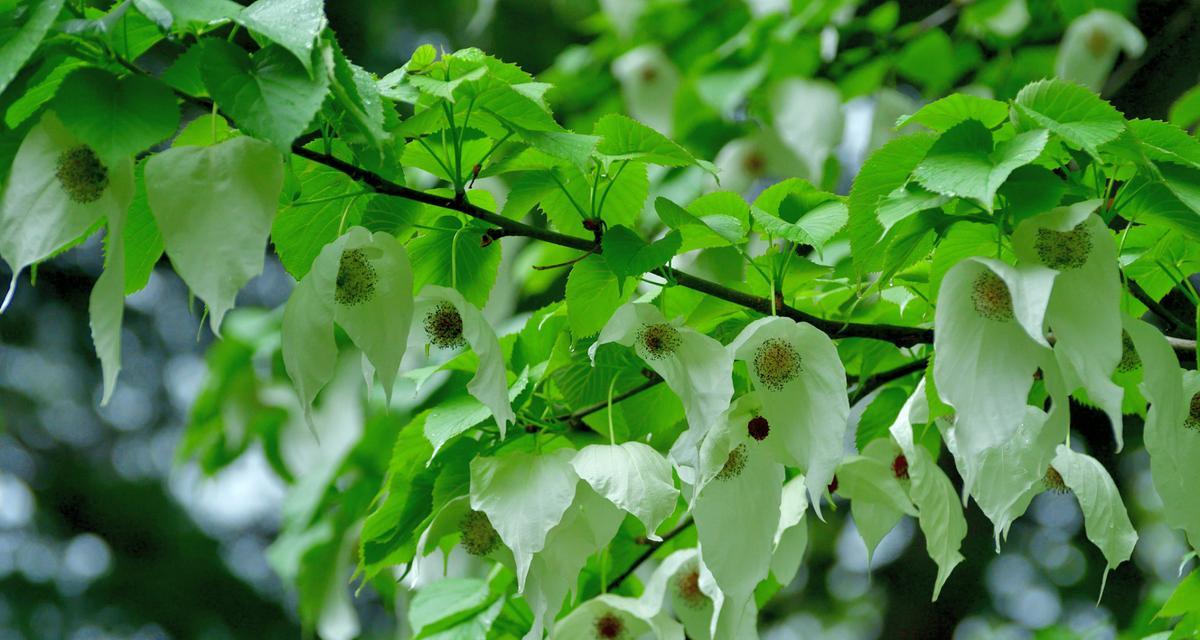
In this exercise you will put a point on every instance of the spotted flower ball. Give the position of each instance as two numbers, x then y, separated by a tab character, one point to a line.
1053	481
758	428
1063	250
444	326
356	278
658	341
1130	360
81	174
479	538
777	363
687	588
609	626
734	464
1193	418
990	295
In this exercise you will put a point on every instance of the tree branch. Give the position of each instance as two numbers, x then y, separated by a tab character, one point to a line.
654	546
1158	309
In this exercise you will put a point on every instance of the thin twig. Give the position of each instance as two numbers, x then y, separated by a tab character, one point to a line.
653	546
1159	310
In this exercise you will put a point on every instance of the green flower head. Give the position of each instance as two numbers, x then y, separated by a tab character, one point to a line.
81	174
356	278
444	326
990	295
1063	250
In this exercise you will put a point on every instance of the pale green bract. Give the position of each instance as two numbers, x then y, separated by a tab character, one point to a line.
1174	449
984	366
938	512
791	537
1084	308
489	385
1104	516
697	369
106	306
214	207
378	325
37	215
633	476
1090	46
877	500
626	614
806	406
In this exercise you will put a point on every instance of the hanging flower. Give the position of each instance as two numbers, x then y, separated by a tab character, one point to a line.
613	617
989	339
648	82
877	499
1084	308
938	512
802	386
677	581
363	282
450	322
737	507
1171	436
474	529
695	366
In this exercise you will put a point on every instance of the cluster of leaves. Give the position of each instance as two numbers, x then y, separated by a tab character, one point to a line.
645	409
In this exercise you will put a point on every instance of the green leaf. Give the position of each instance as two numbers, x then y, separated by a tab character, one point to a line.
1185	599
390	531
184	15
593	294
886	170
185	73
702	226
628	255
118	117
455	416
214	206
942	114
623	138
1155	203
1071	112
143	242
269	94
879	415
452	256
357	94
292	24
1030	190
963	164
442	604
329	202
1163	142
20	42
930	60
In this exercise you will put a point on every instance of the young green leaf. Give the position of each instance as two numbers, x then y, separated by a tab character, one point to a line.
19	46
962	163
1071	112
944	113
269	94
627	255
884	171
623	138
292	24
118	117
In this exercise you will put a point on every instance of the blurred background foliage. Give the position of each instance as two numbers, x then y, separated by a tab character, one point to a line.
195	506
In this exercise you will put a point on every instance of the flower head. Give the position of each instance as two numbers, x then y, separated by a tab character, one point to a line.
356	278
82	176
608	626
658	340
1054	481
758	428
776	362
479	538
991	297
735	462
1063	250
444	326
1192	421
1130	360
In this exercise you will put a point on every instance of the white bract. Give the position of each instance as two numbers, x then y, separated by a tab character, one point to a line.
634	477
56	191
450	321
791	536
363	282
214	207
988	339
649	81
1104	517
938	512
877	500
696	367
1172	428
1009	475
808	117
611	616
737	507
800	380
1090	46
677	581
1084	309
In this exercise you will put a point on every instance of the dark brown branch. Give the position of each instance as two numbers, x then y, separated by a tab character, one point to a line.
574	417
654	546
872	383
1158	309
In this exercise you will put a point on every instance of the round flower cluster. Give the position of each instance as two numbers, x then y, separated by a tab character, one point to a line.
758	428
658	341
1193	418
356	278
687	588
1130	360
991	297
609	626
734	464
1054	481
444	326
1063	250
777	363
479	538
81	174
